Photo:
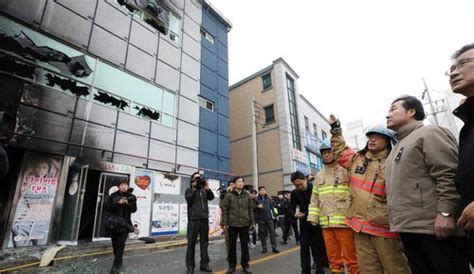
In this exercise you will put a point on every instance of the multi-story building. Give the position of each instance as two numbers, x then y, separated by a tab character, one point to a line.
280	126
355	134
214	148
316	129
99	91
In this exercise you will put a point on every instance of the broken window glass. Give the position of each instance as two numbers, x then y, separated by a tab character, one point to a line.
123	84
106	98
66	84
147	113
31	45
10	65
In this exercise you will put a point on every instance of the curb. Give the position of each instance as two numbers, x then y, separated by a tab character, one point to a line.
77	258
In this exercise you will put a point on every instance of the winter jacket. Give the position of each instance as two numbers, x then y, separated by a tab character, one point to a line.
4	164
237	209
267	212
330	198
420	178
465	174
301	200
367	211
197	198
122	210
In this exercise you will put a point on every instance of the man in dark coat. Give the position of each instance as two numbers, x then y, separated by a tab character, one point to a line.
311	238
120	205
238	219
197	197
264	215
461	78
289	220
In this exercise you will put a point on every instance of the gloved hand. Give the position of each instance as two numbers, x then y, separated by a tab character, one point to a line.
334	122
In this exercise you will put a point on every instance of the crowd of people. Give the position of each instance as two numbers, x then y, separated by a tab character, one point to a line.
402	204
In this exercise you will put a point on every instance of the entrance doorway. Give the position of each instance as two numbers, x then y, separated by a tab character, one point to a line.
99	186
85	212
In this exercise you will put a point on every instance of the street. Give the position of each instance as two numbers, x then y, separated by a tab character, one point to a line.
172	261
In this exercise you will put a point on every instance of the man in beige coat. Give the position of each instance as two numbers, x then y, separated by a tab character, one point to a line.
422	198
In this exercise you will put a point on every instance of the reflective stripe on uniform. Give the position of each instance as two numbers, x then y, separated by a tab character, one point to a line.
366	227
372	187
332	220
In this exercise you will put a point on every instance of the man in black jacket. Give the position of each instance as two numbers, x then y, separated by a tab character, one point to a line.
461	78
311	238
121	204
197	197
264	213
289	220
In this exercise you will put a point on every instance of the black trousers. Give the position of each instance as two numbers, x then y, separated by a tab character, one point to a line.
312	242
428	255
197	228
286	230
266	228
243	234
118	245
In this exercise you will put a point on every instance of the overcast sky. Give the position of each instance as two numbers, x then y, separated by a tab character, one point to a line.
353	57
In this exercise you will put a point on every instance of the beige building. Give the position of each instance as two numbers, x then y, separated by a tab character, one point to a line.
281	141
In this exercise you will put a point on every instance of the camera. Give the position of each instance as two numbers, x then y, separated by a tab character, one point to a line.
200	181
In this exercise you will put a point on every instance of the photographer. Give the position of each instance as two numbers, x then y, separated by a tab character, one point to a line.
197	197
120	205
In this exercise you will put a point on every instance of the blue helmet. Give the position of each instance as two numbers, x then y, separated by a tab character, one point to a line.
380	129
325	144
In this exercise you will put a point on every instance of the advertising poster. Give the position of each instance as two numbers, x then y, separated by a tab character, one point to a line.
215	220
165	219
167	184
142	184
39	178
183	218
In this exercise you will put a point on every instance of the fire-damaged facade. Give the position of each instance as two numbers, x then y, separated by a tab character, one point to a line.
92	93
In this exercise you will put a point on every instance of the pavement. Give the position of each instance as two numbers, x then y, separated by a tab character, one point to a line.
173	261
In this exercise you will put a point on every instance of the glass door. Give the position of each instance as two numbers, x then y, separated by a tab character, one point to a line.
72	210
108	184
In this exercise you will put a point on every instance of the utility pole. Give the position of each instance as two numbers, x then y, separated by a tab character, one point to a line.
427	92
254	145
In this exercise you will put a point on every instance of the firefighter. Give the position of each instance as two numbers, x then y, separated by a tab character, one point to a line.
329	203
378	249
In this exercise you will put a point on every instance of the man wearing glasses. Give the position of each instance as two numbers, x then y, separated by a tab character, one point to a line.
422	199
461	78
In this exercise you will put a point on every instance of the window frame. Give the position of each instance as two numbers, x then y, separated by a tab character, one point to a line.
272	106
203	102
270	86
295	128
324	135
209	37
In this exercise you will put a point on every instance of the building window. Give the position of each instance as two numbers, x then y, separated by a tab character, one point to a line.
156	15
323	134
267	81
174	28
315	130
269	114
306	123
208	36
207	104
295	128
